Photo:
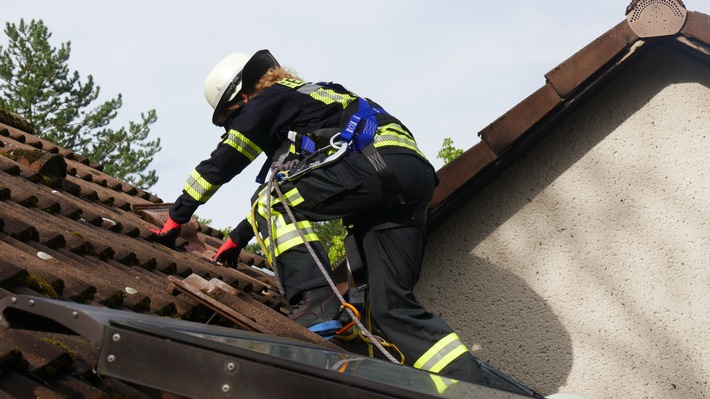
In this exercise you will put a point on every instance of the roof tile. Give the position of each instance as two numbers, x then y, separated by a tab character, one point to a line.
467	164
697	27
572	73
16	385
567	86
44	359
513	124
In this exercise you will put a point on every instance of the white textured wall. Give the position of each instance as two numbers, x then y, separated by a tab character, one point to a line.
586	267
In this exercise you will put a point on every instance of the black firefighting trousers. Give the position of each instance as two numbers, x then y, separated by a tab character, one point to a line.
348	189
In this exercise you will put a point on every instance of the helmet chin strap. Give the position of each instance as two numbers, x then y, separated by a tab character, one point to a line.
227	95
221	113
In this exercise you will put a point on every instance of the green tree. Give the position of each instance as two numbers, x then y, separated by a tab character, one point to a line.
254	248
448	152
332	235
36	83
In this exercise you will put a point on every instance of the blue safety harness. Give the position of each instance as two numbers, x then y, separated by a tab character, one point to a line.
367	116
357	135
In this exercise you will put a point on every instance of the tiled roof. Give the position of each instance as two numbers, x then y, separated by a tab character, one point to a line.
567	86
71	232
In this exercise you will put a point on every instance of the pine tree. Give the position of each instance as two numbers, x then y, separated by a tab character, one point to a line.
36	83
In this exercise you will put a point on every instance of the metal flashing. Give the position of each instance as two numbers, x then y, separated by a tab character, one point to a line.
203	361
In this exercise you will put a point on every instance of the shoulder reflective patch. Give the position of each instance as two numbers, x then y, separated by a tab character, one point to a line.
242	144
292	83
328	96
325	95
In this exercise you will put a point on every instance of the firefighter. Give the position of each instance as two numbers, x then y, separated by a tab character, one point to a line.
380	187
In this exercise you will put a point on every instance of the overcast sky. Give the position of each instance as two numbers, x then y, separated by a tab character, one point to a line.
446	69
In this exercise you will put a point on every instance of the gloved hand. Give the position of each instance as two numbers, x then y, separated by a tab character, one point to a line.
228	253
168	233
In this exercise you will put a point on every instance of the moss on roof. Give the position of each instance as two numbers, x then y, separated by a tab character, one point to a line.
16	121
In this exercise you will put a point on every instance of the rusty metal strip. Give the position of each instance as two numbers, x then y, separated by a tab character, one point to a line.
192	286
231	299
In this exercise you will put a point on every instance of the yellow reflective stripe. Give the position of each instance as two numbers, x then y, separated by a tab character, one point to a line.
198	188
442	383
441	354
393	135
328	96
318	92
287	237
284	234
261	210
450	357
282	247
242	144
293	197
286	231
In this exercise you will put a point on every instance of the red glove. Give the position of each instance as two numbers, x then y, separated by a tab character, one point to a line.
168	233
228	253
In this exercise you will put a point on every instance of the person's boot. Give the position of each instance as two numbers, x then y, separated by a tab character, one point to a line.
318	305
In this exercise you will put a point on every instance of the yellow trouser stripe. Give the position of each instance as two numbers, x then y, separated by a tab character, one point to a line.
441	354
198	188
242	144
293	197
287	237
285	234
442	383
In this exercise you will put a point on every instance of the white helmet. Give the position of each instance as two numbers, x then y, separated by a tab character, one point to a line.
222	75
233	74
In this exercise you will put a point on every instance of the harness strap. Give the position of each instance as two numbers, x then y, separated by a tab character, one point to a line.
390	184
304	145
261	177
411	214
361	139
302	142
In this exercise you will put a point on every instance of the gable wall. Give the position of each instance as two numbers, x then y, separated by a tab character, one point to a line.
586	266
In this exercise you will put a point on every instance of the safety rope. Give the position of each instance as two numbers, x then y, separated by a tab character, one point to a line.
262	244
356	333
273	185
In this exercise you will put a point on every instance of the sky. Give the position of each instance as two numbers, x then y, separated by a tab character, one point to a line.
444	68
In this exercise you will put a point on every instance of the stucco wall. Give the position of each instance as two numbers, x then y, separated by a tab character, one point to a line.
586	267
